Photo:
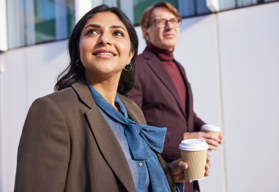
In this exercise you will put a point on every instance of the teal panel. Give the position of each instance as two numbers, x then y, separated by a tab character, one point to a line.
45	31
142	5
70	16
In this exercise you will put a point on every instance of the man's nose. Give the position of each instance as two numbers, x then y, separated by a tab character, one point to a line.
168	24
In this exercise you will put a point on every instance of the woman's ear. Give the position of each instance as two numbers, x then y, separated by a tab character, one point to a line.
131	55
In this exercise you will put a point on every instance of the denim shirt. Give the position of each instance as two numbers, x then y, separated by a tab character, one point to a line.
144	160
138	168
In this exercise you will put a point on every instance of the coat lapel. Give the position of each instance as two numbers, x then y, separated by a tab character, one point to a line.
189	105
156	66
105	138
134	112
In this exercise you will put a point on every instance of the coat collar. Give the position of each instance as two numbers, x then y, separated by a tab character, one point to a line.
105	138
157	67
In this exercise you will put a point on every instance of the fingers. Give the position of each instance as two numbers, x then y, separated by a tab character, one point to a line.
188	181
200	135
206	174
212	147
207	165
183	165
208	158
178	166
182	179
212	140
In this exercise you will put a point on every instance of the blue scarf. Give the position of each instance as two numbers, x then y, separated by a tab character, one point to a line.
143	140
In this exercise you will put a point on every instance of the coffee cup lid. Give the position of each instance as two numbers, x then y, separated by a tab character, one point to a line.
193	145
208	127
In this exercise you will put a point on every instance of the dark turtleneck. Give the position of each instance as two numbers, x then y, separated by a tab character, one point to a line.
167	59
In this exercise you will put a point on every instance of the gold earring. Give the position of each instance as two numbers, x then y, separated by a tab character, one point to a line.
78	63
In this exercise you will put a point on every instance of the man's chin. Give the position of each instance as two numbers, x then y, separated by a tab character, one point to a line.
169	46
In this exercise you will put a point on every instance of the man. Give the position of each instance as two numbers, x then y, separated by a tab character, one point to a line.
161	86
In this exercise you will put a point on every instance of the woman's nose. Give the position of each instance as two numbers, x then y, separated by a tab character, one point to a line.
104	39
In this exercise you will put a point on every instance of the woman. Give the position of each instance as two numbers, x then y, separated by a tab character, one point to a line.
86	136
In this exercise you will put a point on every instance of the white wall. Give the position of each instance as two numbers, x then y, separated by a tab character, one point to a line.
198	52
232	62
3	29
249	47
29	73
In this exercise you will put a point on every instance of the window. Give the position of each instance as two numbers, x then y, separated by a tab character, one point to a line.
35	21
31	22
187	8
233	4
134	8
193	8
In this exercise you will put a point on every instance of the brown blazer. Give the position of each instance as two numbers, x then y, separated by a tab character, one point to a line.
67	145
156	94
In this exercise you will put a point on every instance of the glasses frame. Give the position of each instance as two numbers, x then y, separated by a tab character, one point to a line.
167	21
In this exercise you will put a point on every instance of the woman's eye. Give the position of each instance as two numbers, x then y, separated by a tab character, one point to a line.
119	33
92	31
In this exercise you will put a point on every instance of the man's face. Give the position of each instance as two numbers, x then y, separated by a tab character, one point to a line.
162	34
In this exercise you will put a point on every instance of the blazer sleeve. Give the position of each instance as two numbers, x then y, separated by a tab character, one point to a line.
44	149
198	123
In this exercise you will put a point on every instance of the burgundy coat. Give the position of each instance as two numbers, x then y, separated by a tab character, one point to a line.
156	94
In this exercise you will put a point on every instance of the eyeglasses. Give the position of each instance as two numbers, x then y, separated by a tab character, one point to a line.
161	23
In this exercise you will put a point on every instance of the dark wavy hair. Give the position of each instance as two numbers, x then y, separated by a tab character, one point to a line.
75	69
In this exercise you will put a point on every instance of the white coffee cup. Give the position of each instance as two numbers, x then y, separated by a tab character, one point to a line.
214	130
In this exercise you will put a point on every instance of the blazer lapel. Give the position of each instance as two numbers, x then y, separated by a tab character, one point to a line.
134	112
157	67
189	105
105	138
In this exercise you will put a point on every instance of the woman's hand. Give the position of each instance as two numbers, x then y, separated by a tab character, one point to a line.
178	166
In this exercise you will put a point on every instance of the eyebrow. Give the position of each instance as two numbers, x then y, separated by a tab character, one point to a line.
99	26
165	18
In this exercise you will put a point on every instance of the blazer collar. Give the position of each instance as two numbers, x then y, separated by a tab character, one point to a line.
105	138
157	67
83	93
135	115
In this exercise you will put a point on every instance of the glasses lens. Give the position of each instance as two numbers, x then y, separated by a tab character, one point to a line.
174	22
160	23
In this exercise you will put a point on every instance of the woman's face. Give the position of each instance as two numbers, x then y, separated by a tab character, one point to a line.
105	47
